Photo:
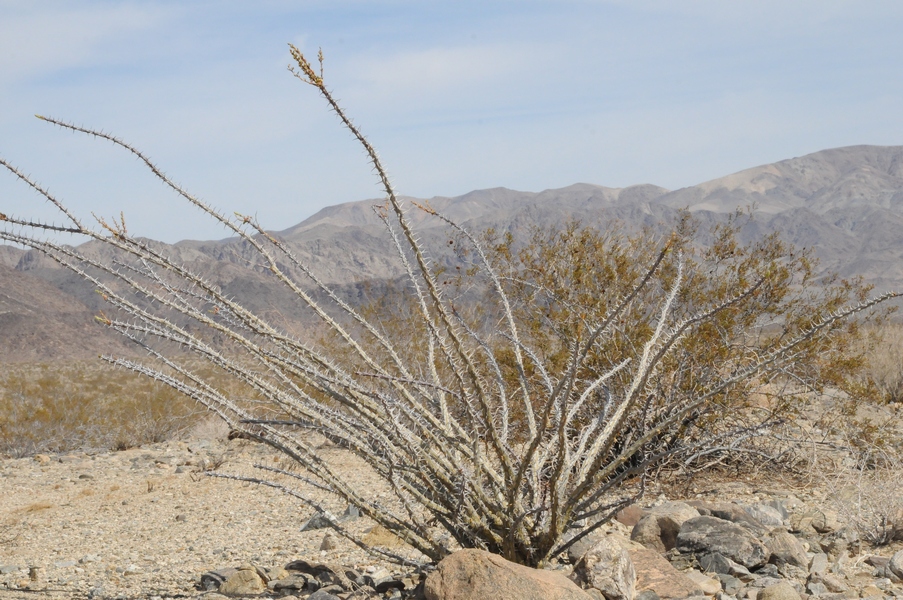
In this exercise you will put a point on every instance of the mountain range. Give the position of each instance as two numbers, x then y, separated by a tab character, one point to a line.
846	204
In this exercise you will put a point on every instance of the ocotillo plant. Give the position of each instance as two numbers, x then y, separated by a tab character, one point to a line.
591	361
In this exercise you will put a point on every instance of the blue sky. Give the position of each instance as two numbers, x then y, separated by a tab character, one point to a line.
455	95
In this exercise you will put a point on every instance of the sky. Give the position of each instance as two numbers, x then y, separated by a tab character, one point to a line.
456	96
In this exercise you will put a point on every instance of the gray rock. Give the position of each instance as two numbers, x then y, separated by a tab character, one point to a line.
9	569
819	564
786	549
816	588
780	506
64	564
765	514
608	568
322	595
718	563
711	534
580	547
647	595
778	591
733	513
212	580
658	532
351	513
895	564
469	574
679	512
730	584
318	521
834	584
292	583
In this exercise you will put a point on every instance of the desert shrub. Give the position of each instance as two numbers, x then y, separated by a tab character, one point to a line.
64	407
885	363
863	492
587	360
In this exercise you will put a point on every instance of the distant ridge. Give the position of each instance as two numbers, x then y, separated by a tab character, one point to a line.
844	203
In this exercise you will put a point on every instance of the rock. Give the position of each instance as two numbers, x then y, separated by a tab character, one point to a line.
42	459
819	564
778	591
871	591
730	584
780	506
834	584
711	534
765	514
351	513
734	513
677	511
655	575
629	515
816	588
322	595
718	563
658	532
709	586
212	580
243	582
786	549
318	521
895	564
288	584
475	575
820	521
607	567
329	542
9	569
580	547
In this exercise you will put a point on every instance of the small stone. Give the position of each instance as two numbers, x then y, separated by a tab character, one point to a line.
41	459
329	542
64	564
318	521
870	591
9	569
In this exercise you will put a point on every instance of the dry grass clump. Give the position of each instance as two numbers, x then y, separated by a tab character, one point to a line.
59	408
869	500
885	363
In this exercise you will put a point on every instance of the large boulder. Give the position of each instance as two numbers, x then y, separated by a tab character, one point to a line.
607	567
656	575
475	575
705	535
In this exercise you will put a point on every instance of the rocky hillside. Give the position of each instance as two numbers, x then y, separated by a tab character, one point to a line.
845	203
